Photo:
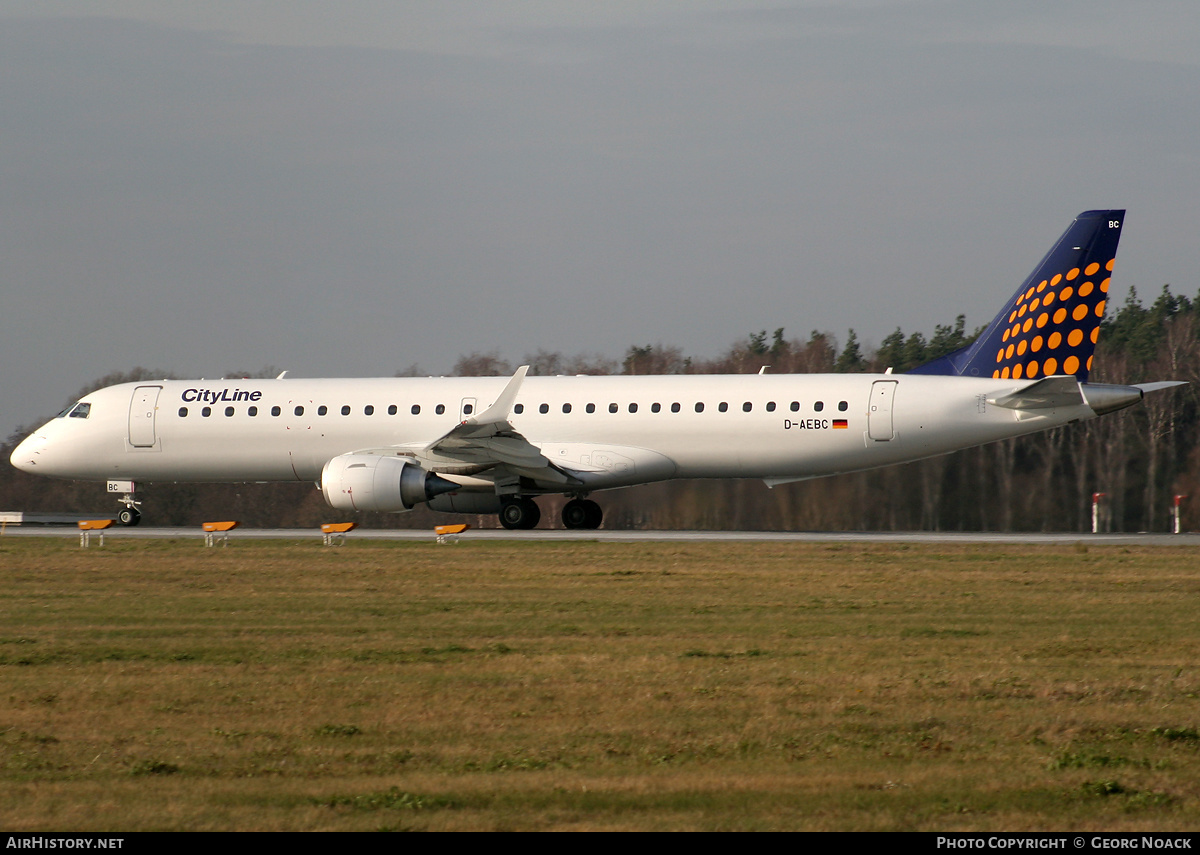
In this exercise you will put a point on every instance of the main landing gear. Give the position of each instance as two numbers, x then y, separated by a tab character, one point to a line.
519	513
523	513
582	513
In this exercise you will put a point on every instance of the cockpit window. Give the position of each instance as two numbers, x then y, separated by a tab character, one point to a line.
80	411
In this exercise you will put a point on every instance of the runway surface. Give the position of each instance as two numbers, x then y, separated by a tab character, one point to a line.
1043	538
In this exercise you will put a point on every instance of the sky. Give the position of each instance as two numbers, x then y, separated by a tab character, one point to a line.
354	188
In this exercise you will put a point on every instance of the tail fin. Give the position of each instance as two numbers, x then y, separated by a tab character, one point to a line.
1050	326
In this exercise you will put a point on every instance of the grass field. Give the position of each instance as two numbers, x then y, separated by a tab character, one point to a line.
508	685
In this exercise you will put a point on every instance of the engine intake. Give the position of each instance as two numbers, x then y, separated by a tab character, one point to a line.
370	482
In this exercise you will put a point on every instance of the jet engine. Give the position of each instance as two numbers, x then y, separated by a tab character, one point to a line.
371	482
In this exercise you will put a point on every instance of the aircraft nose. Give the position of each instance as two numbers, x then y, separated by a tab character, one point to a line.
28	453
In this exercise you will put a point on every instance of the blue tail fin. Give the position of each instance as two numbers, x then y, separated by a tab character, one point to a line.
1051	324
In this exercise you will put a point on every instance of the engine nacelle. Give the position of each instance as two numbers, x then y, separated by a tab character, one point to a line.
371	482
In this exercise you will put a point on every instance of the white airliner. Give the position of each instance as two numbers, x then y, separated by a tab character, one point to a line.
490	444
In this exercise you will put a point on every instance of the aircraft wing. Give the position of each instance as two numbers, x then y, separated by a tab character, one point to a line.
489	440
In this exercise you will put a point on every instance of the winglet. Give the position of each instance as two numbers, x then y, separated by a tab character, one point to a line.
499	410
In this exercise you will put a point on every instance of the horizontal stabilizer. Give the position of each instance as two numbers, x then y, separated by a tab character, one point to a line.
1048	393
1160	384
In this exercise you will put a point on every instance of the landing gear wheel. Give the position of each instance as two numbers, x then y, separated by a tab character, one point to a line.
519	514
582	514
129	517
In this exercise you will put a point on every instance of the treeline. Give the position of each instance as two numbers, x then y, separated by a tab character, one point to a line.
1139	458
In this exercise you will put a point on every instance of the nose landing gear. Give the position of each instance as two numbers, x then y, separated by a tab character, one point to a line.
130	515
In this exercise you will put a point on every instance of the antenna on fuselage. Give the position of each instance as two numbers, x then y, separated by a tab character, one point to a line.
281	375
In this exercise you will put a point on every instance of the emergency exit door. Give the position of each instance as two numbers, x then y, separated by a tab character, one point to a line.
879	415
141	416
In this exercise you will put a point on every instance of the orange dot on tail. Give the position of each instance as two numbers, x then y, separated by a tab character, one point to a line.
1070	365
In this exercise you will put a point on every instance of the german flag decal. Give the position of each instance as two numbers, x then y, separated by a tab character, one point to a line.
839	424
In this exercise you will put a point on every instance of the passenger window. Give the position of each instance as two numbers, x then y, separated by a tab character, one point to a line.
843	406
633	408
322	410
675	408
206	412
252	411
299	411
699	407
441	409
566	408
368	410
723	407
612	408
228	412
770	406
591	408
818	406
655	407
345	409
416	409
519	408
275	411
392	410
747	407
544	408
183	412
468	409
795	407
